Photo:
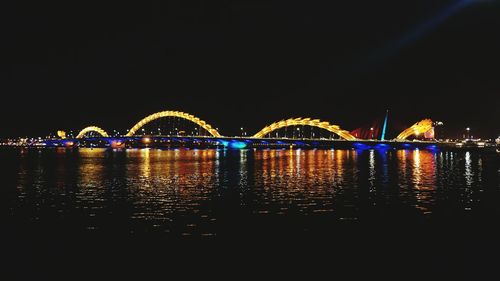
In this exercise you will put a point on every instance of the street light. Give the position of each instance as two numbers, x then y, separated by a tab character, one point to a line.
371	130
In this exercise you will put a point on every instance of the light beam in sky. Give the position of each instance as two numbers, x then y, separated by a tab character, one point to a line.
394	46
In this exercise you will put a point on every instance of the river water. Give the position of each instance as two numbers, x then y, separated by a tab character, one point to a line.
346	195
203	192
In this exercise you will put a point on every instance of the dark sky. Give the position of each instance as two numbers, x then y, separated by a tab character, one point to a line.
249	63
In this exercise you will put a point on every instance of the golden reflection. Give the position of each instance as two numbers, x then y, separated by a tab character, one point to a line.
271	154
417	172
145	165
179	167
281	161
90	171
340	156
298	161
424	179
92	179
299	179
166	182
402	156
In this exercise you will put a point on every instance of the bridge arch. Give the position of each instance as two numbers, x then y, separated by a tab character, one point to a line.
421	127
305	122
178	114
92	129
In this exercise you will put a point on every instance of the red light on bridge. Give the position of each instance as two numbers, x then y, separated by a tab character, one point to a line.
429	134
117	144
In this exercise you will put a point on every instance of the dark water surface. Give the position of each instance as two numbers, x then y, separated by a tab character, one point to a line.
359	201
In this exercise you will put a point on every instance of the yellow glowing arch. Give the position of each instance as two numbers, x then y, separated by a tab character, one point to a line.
418	128
92	129
307	122
179	114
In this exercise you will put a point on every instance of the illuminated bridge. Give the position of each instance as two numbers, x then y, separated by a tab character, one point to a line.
170	129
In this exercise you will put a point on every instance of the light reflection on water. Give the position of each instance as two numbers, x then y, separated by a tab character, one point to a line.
424	179
188	192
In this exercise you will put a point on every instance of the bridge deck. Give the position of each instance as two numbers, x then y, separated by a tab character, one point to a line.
243	142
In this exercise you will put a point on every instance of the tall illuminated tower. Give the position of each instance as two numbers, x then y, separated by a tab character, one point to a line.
385	125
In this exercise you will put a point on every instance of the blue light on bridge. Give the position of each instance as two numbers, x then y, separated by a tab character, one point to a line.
224	143
432	147
359	145
237	144
233	144
54	143
407	145
382	146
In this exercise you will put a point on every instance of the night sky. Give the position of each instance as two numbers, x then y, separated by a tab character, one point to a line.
249	63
